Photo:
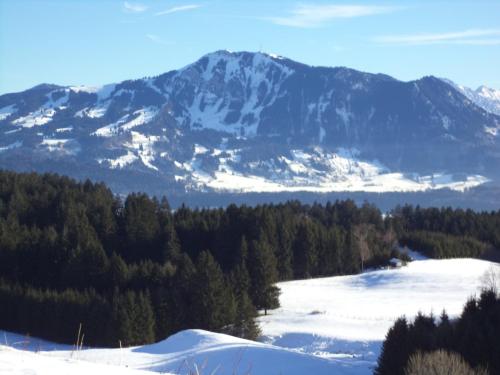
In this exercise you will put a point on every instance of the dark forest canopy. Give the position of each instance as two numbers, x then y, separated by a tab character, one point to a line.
134	270
474	335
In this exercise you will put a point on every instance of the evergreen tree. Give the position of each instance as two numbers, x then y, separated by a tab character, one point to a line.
245	325
395	350
212	299
142	227
262	265
182	294
118	273
305	252
284	251
144	319
172	250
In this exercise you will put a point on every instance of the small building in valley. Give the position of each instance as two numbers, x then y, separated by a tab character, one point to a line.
396	263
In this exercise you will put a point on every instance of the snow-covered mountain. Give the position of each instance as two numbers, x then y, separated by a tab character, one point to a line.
485	97
253	122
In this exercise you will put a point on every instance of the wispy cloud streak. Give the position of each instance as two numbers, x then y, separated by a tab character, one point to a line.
159	40
181	8
134	7
308	16
470	37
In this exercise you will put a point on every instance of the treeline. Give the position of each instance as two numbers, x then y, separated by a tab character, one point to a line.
482	226
474	335
134	271
440	245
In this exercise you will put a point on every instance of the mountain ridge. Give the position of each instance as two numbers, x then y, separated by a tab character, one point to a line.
253	122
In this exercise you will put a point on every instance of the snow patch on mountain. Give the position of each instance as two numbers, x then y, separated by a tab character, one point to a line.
36	118
492	131
485	97
7	111
93	112
64	130
102	103
61	146
122	161
312	170
143	146
11	146
224	75
86	89
45	113
128	122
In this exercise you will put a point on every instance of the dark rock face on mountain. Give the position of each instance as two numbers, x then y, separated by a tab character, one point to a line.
252	122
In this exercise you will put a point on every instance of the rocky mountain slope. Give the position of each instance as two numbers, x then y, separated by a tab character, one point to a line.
485	97
253	122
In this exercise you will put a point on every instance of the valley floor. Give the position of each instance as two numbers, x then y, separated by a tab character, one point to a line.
331	325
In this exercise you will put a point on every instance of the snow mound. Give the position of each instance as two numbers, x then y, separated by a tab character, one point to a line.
211	353
192	340
185	353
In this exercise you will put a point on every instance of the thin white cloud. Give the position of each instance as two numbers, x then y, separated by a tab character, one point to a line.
307	16
158	39
134	7
470	37
180	8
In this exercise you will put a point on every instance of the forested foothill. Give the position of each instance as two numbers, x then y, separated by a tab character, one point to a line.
131	270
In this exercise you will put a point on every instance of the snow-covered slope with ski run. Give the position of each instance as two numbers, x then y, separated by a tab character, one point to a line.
324	326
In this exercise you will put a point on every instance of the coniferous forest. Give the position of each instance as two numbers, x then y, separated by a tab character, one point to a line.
133	271
474	335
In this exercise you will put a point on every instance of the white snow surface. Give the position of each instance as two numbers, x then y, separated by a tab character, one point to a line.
185	353
21	362
62	146
7	111
11	146
331	325
348	316
315	170
484	97
45	113
211	107
127	122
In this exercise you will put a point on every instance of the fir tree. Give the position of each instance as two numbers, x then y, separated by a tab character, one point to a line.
395	350
262	265
212	299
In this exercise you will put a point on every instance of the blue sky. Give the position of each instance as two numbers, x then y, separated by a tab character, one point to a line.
94	42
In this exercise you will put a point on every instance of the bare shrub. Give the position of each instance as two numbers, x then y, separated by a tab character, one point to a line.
440	362
490	280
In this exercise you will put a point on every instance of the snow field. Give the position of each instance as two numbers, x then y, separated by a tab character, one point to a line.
332	325
348	316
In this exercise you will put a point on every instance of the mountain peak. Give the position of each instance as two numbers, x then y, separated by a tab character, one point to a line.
254	121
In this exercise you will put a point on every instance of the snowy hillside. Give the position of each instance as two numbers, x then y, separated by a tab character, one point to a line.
347	317
187	352
328	325
20	362
245	122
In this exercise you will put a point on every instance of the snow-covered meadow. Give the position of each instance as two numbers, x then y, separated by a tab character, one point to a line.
331	325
